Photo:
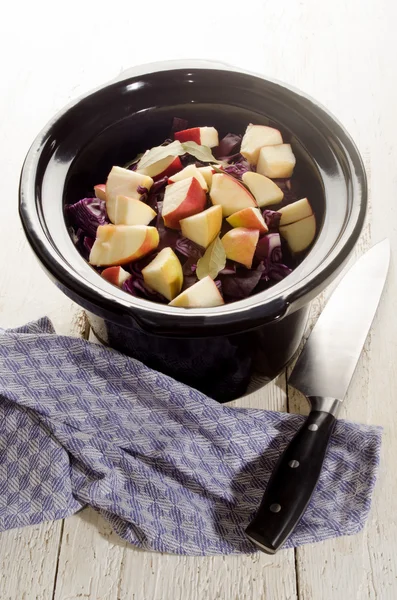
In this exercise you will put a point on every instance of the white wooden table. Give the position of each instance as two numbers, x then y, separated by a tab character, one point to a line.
342	53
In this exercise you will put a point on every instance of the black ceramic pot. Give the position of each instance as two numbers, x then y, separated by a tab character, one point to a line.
218	350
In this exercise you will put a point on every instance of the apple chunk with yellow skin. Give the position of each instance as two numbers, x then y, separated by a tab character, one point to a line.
203	227
230	194
164	274
182	199
203	294
264	190
250	218
299	235
130	211
122	182
100	191
189	171
121	244
116	275
240	244
295	212
257	136
276	161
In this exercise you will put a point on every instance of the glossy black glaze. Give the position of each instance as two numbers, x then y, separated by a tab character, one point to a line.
77	149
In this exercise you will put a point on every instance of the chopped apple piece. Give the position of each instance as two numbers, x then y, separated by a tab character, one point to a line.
116	275
203	227
240	244
207	173
122	182
276	161
230	194
299	235
164	274
202	294
204	136
162	168
264	190
121	244
257	136
295	212
250	218
189	171
100	191
130	211
182	199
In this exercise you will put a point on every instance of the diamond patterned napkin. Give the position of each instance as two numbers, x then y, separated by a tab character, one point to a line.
171	469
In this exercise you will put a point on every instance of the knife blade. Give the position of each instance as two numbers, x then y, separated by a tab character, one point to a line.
322	373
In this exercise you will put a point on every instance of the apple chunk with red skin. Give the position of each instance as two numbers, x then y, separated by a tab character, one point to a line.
100	191
122	182
130	211
164	167
203	294
257	136
203	227
240	244
121	244
276	161
248	217
230	194
116	275
182	199
264	190
189	171
295	212
299	235
164	274
204	136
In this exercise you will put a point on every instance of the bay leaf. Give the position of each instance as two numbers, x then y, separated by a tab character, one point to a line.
159	153
202	153
213	261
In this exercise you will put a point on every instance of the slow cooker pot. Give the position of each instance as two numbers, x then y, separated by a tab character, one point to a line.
222	351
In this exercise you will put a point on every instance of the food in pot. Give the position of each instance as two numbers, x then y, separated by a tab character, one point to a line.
198	221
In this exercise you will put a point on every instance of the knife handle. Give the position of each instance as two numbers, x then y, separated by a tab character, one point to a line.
292	483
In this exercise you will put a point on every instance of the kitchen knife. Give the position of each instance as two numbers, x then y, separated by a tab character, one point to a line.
322	373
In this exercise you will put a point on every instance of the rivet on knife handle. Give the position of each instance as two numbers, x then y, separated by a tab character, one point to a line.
292	483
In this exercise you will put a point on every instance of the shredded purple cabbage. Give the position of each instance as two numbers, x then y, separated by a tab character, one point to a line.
229	269
269	246
275	271
272	219
87	214
218	284
188	248
238	169
228	146
241	284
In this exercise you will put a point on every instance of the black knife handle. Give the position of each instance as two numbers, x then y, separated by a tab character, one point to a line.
292	483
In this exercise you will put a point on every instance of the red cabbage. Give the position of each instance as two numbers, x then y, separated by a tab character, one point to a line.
272	219
289	189
230	144
168	237
238	169
135	285
242	283
218	284
229	269
189	273
269	246
87	214
275	271
188	248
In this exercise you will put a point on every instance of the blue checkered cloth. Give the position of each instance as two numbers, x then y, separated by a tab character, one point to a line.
169	468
